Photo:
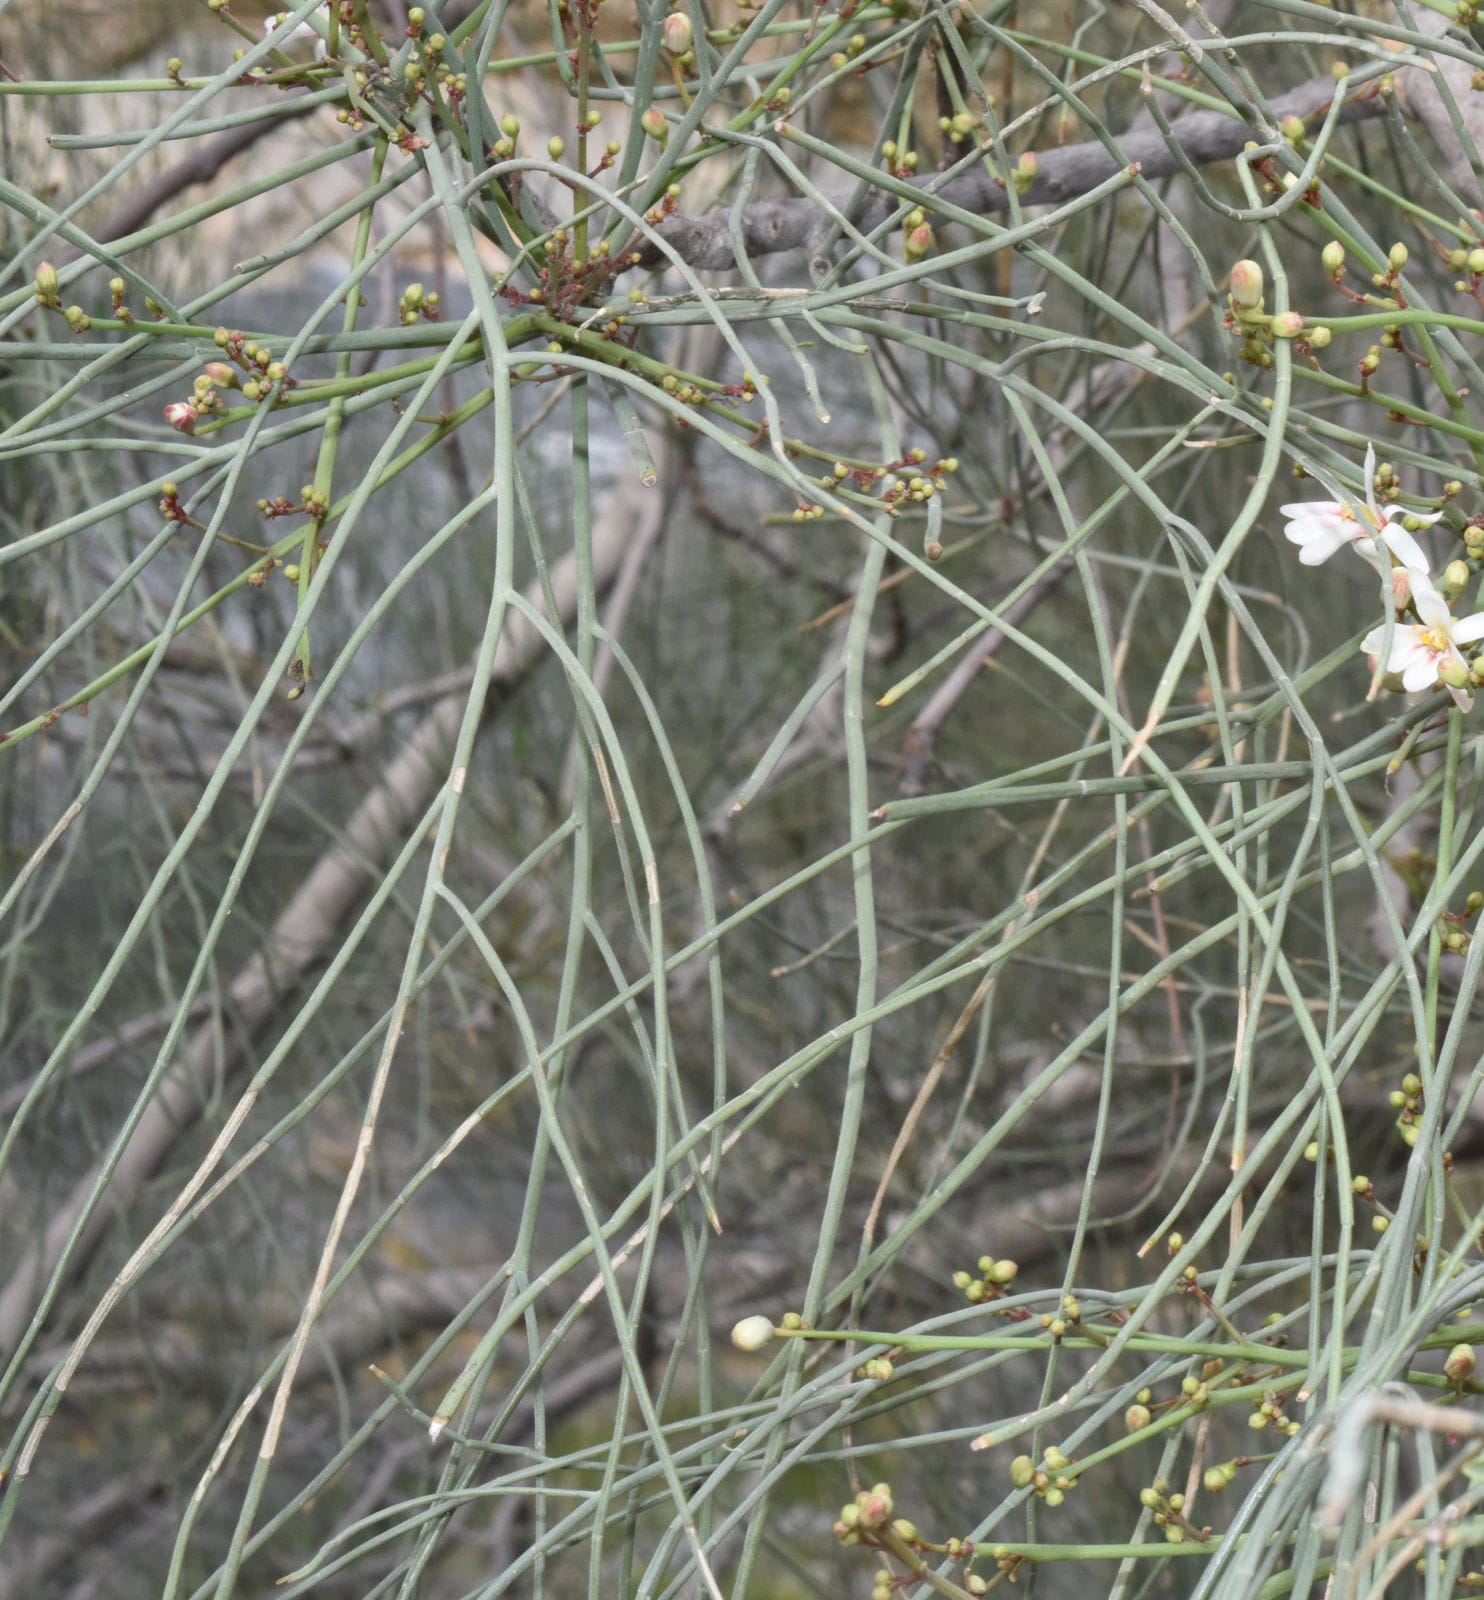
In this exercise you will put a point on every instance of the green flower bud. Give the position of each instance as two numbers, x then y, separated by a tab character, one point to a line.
1396	257
653	123
1454	674
1332	258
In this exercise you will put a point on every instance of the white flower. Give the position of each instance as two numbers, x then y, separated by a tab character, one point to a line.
1425	653
305	30
1320	527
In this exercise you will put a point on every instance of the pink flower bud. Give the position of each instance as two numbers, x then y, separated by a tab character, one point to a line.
1246	284
919	242
1459	1367
653	123
1401	588
676	32
181	416
875	1505
223	376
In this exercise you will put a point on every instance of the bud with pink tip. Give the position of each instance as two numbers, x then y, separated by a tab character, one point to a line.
1246	285
676	33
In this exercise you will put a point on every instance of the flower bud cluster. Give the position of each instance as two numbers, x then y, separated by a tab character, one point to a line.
1169	1513
1247	315
900	163
1070	1315
1050	1480
417	303
1269	1414
48	287
1221	1476
917	235
869	1511
958	127
1139	1414
1407	1102
992	1283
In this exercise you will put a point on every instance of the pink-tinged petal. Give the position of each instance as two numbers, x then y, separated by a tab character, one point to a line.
1421	672
1404	652
1405	643
1469	629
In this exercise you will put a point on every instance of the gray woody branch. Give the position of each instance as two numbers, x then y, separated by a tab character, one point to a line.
1199	139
